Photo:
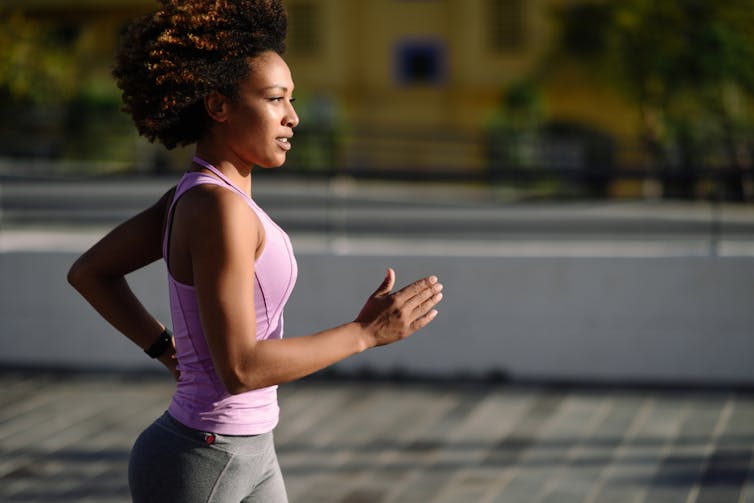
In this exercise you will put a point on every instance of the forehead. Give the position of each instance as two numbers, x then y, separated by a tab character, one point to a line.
269	70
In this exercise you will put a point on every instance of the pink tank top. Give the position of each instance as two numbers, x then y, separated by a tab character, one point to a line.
200	400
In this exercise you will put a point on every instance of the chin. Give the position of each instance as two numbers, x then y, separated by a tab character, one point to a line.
272	165
274	162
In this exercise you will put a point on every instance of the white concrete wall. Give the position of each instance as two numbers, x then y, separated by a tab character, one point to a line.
679	319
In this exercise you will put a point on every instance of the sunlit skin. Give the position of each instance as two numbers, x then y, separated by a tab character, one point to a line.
256	128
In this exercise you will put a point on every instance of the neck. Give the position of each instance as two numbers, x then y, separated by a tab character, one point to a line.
227	163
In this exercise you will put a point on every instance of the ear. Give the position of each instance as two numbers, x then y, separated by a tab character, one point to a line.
216	105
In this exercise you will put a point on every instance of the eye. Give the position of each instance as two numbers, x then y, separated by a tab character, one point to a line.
291	100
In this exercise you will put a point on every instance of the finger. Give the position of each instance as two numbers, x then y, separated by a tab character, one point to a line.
424	299
425	305
387	284
425	292
415	288
423	320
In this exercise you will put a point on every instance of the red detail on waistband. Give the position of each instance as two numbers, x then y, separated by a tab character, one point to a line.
209	438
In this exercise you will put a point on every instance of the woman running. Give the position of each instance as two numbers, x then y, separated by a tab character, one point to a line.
211	74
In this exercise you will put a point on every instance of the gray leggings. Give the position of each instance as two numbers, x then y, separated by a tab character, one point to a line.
171	462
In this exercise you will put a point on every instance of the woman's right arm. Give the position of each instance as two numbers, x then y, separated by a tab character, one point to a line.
99	275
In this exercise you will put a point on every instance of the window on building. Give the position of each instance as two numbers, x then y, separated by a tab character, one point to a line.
507	24
66	33
304	35
420	62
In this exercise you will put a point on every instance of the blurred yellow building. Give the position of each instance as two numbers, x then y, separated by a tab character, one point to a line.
433	62
420	81
408	83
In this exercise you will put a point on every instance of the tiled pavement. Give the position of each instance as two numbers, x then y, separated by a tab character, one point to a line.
66	437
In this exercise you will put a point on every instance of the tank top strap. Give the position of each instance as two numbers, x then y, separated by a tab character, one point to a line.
188	181
220	175
192	179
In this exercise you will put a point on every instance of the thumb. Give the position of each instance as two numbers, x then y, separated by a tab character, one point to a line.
387	284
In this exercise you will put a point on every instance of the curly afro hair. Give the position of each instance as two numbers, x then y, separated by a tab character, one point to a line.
170	60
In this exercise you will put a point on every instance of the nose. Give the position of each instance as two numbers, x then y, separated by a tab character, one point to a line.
291	118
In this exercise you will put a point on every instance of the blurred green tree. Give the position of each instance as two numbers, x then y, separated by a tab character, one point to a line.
55	101
34	65
514	127
686	65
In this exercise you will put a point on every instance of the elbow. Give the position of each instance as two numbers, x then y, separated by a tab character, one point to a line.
232	383
235	382
84	277
78	274
235	388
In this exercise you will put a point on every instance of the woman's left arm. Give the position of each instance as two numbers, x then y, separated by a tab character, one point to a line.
99	276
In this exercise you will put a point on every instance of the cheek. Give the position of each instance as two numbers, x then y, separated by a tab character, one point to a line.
253	129
246	130
258	123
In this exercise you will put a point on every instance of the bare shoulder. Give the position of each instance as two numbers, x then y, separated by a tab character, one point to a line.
211	201
213	210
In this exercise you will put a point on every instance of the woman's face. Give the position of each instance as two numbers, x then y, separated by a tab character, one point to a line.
260	122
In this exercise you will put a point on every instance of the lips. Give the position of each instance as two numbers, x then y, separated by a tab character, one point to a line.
284	142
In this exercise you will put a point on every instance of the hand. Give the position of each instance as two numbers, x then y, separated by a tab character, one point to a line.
169	360
390	317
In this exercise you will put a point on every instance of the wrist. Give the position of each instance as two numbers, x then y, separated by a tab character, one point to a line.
364	337
160	346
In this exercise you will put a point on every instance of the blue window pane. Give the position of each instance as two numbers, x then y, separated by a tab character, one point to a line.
420	62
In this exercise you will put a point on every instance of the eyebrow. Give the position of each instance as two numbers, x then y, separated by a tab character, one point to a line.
281	87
